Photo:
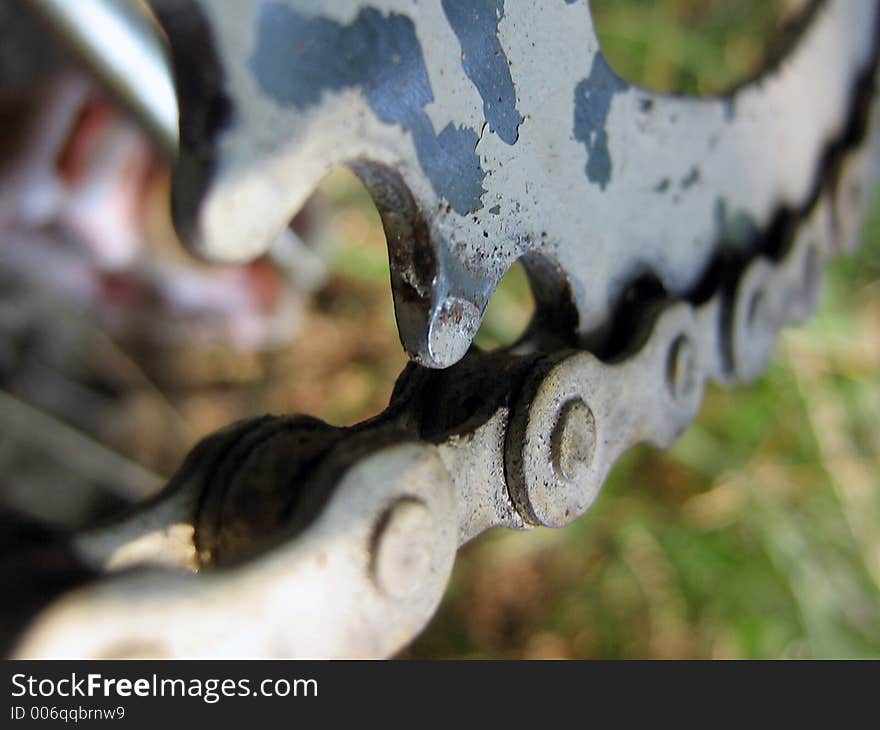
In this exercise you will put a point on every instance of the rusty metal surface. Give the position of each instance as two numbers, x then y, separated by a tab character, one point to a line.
283	536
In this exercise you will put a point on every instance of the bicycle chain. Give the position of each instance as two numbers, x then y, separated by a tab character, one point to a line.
312	540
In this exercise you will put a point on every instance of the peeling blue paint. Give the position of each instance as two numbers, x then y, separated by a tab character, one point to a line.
475	23
738	228
692	178
298	57
729	103
592	103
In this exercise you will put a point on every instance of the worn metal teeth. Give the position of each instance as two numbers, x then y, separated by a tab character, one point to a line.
487	131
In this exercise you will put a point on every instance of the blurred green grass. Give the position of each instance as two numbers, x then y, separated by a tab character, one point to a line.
758	533
688	46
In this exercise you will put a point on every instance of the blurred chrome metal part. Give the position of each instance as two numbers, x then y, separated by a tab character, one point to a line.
123	46
310	540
